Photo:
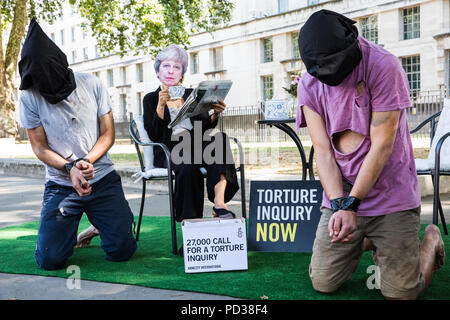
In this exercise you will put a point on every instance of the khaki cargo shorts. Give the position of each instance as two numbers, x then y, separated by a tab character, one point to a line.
396	238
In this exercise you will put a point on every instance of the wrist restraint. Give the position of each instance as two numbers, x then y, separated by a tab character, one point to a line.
345	203
68	166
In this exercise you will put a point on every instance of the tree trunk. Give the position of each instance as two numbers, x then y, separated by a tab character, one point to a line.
8	65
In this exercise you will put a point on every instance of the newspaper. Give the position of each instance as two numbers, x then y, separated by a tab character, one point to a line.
201	99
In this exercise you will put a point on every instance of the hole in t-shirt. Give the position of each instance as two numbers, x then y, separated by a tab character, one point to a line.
347	141
360	87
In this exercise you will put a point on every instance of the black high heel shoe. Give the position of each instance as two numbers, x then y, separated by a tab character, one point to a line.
223	213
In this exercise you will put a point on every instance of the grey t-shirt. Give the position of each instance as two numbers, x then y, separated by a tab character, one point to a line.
71	126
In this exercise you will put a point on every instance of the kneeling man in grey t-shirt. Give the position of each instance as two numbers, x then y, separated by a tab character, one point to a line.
71	127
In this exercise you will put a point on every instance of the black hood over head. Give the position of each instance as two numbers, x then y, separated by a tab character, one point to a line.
328	44
44	66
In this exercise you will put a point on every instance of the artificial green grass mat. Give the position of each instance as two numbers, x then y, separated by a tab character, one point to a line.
269	275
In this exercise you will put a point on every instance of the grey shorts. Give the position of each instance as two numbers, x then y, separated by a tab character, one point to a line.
396	238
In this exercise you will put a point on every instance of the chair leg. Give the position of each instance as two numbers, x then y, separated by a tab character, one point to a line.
435	198
437	206
243	206
172	217
441	214
141	211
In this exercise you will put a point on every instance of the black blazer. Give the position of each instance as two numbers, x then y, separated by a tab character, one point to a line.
157	128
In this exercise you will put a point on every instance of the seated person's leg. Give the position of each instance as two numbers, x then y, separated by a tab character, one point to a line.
57	234
189	191
109	212
332	264
221	181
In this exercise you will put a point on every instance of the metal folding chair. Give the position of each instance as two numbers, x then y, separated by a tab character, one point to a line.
144	147
436	164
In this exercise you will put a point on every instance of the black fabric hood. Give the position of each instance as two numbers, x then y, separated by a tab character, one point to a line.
44	66
328	44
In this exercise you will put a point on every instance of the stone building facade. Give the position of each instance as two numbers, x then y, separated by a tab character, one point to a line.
258	51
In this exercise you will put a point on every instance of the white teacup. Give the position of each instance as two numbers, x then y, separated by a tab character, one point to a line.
176	92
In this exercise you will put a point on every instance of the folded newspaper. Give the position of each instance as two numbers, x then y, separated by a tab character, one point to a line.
201	99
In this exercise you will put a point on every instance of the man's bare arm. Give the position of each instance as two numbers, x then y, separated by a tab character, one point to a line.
38	141
106	139
329	173
341	222
383	131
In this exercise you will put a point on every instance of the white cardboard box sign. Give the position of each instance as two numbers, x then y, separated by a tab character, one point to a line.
214	245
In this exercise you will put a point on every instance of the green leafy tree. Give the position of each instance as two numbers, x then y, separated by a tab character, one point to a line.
119	26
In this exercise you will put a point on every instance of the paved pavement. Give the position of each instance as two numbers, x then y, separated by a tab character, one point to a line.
27	287
20	199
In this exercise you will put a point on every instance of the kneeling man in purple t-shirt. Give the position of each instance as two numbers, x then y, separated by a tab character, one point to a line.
353	101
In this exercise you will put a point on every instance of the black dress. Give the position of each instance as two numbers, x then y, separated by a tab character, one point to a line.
189	181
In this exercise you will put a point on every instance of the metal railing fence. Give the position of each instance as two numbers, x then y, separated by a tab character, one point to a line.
240	122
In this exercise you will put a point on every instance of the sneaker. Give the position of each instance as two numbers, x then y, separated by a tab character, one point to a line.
85	237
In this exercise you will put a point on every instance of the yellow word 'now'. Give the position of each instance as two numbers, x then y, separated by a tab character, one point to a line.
288	230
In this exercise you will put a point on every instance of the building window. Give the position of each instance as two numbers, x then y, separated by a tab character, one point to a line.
74	56
283	6
194	62
217	56
313	2
369	28
139	72
73	34
123	106
139	102
295	49
110	78
411	65
85	54
448	73
267	87
96	52
123	72
52	35
97	74
84	35
411	23
62	37
268	50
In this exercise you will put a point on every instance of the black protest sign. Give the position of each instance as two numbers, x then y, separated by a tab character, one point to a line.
284	215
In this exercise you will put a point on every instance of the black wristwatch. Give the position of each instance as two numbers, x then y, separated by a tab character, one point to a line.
345	203
69	165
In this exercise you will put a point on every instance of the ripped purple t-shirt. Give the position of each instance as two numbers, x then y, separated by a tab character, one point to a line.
342	108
